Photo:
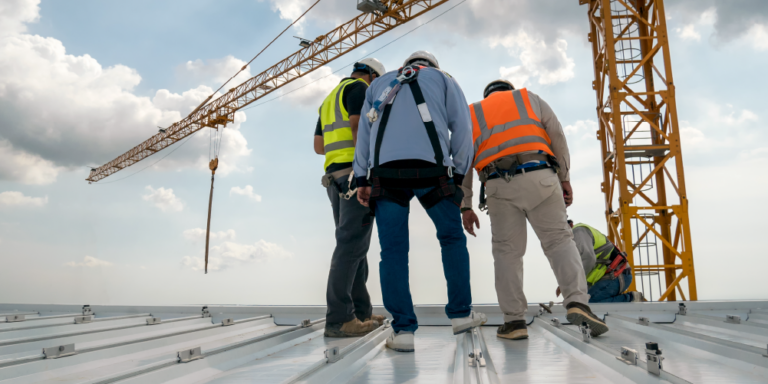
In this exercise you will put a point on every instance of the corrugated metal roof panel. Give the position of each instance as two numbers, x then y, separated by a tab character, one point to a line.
713	342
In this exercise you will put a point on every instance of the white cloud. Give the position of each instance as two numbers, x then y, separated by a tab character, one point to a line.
17	199
215	71
758	36
549	62
689	32
36	70
581	127
247	192
199	234
232	254
163	199
311	95
90	262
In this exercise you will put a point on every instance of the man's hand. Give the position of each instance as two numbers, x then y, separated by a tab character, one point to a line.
364	195
567	193
557	292
468	218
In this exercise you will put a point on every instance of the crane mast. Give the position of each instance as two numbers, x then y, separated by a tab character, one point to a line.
382	16
646	205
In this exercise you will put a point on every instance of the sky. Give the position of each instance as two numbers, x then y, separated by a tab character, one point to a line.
83	81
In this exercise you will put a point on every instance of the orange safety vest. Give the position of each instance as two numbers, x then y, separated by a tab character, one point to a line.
505	124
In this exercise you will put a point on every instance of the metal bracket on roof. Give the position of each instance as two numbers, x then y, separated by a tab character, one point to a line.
14	318
306	323
154	321
87	310
227	322
188	355
628	356
586	333
555	322
733	319
644	321
60	351
387	323
333	355
83	319
765	354
653	358
682	309
206	313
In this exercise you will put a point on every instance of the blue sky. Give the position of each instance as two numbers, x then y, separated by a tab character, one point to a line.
83	81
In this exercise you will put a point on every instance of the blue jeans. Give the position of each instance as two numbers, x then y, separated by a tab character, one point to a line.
610	291
392	223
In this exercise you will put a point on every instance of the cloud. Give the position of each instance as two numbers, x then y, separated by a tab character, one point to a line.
195	234
36	70
163	199
581	127
247	192
304	93
215	71
731	21
232	254
549	62
17	199
689	32
90	262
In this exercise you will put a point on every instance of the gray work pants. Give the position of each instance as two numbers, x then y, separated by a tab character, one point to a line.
537	196
347	296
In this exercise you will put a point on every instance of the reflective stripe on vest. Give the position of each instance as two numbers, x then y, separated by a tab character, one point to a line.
337	131
603	249
505	124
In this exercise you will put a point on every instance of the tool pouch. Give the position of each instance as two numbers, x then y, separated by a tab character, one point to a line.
327	180
553	162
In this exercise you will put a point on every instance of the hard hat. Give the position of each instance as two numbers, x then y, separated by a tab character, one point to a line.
497	85
422	56
369	64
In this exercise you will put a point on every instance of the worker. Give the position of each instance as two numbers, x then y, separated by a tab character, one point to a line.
415	140
349	312
606	267
522	159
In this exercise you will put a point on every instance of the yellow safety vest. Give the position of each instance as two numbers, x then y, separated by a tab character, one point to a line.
603	250
337	131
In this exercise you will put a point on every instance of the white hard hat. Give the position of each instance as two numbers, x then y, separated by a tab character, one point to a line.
422	56
497	85
375	65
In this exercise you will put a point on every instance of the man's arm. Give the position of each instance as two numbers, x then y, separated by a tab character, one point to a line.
354	121
460	125
319	143
363	145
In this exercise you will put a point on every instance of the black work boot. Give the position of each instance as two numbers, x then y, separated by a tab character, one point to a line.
580	313
513	330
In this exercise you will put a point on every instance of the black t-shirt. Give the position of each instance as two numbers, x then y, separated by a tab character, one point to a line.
353	99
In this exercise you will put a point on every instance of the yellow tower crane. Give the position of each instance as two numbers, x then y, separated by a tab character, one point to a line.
646	205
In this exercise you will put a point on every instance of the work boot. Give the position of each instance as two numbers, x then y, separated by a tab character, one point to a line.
579	313
464	324
401	341
513	330
377	318
637	297
352	328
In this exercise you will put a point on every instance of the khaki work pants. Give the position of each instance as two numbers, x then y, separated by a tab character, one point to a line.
538	197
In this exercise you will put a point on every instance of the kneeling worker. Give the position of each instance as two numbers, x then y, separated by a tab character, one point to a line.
427	145
522	159
349	312
608	272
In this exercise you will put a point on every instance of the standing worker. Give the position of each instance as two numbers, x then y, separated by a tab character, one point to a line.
349	312
606	267
522	159
425	148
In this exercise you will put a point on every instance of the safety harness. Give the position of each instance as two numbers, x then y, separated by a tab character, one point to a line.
507	167
444	189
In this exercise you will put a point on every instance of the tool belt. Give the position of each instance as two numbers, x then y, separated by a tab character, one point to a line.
444	188
346	192
507	167
613	266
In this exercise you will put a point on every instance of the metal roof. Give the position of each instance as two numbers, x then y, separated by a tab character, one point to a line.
723	342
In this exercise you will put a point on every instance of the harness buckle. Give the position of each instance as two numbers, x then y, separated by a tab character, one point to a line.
450	172
508	176
350	192
407	74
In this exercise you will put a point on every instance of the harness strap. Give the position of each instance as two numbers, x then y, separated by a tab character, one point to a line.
442	191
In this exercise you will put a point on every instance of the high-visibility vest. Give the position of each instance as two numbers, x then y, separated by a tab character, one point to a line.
505	124
603	250
337	131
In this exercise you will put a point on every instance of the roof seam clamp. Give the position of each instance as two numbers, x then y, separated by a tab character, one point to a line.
83	319
682	309
733	319
14	318
653	358
628	356
154	321
644	321
59	351
586	333
206	313
87	310
227	322
555	322
306	323
191	354
333	354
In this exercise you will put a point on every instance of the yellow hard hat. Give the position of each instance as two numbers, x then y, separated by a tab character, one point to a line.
497	85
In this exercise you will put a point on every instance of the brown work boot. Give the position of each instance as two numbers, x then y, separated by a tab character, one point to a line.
579	313
352	328
377	318
513	330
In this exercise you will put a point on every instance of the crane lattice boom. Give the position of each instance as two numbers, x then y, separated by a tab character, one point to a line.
320	52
